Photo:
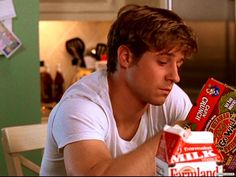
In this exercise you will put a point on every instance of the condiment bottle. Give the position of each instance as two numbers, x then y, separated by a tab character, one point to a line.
58	84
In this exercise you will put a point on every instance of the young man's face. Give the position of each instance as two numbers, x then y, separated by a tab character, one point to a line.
152	78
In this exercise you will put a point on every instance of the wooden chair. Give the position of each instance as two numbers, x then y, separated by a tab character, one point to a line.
20	139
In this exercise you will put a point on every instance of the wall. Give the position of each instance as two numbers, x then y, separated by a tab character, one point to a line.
54	34
19	75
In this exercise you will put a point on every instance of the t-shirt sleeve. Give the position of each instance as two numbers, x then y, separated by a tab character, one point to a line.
78	119
177	105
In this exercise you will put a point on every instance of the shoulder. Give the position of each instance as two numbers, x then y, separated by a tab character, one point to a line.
82	113
177	104
178	94
86	98
77	119
93	87
94	78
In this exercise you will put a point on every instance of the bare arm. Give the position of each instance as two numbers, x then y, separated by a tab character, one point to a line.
91	157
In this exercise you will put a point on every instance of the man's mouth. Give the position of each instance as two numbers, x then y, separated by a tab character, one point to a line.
166	90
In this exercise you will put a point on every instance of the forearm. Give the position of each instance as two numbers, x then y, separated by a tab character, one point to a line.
141	161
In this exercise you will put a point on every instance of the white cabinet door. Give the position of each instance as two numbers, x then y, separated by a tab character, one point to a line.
79	9
154	3
89	10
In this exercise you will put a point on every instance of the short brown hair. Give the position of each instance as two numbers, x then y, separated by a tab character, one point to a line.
144	28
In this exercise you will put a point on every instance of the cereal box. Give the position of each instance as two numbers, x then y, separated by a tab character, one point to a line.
181	153
215	111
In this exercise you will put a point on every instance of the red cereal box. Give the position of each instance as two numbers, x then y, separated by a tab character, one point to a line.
215	111
183	154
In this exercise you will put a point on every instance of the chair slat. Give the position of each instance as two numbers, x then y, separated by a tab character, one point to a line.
21	139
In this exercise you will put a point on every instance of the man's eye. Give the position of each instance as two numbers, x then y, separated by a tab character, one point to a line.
162	62
179	64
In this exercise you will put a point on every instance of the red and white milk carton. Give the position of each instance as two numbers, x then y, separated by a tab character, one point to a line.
181	153
215	111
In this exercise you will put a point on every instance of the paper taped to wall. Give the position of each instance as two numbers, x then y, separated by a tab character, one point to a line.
7	9
9	43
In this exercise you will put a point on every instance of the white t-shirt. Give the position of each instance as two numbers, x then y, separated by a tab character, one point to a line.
85	112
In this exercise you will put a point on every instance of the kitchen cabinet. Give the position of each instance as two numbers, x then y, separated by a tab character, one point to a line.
79	9
87	10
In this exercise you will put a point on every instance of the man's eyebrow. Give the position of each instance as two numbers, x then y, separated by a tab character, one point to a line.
169	54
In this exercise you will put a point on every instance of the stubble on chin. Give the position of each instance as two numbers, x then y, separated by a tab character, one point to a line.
158	102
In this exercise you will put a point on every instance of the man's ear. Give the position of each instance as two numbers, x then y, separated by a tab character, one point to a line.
124	56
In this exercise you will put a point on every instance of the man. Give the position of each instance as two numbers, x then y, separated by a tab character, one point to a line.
109	123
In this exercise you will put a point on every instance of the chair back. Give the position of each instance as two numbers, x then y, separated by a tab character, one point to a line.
20	139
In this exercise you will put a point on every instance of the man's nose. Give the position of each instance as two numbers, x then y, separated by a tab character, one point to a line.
174	74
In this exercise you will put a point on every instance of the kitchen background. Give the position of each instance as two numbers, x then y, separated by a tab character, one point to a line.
89	21
214	23
212	20
65	20
44	26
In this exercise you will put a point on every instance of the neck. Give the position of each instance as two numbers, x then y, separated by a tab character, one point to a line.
127	108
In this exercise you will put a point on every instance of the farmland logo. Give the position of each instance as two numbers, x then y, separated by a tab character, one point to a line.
213	90
190	171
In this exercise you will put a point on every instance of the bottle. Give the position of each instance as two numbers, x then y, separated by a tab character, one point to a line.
58	84
46	82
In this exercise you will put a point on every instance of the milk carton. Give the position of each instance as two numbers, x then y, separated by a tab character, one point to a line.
181	153
215	111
